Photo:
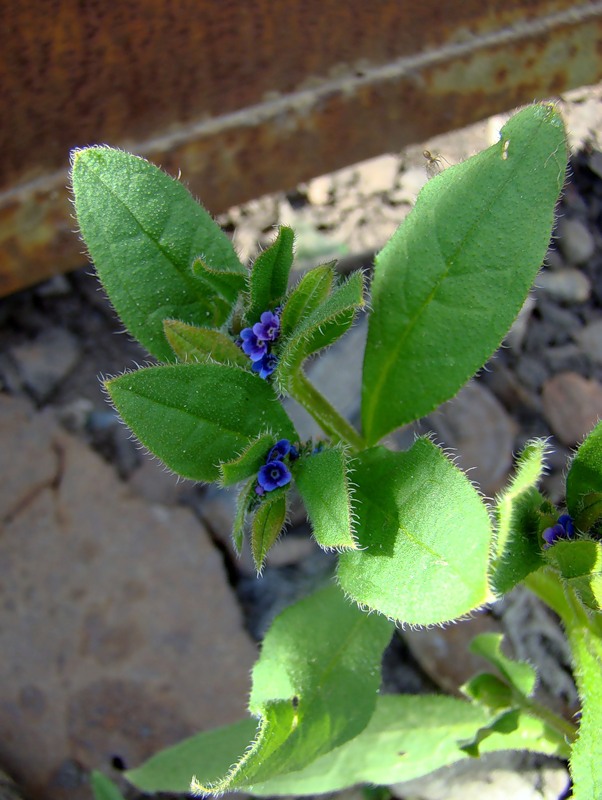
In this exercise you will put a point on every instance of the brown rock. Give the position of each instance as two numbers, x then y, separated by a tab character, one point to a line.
118	632
477	427
572	406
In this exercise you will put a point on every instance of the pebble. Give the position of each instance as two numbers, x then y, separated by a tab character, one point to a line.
590	340
477	426
531	372
377	175
566	285
572	406
575	240
46	361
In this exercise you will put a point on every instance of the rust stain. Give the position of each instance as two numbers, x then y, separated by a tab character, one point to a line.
238	113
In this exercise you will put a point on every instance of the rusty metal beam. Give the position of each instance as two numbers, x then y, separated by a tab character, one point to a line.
246	97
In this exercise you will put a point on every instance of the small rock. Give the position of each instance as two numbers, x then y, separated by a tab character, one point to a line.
566	358
575	240
377	175
565	285
476	425
572	406
590	340
319	190
531	372
495	776
57	286
75	416
43	363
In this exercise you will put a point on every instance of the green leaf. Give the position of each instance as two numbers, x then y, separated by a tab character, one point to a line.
584	482
407	737
311	291
489	691
103	788
520	675
267	525
302	684
449	283
195	416
240	518
143	230
424	537
324	487
191	343
586	755
517	550
505	723
209	755
249	461
224	282
268	280
330	320
580	564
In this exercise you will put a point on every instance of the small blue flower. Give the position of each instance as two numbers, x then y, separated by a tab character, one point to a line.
265	366
273	475
281	449
563	529
255	349
268	328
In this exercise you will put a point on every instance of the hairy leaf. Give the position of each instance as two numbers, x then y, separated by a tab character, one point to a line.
586	755
519	675
580	564
517	549
195	416
267	525
191	343
449	283
423	535
584	481
269	276
247	462
322	480
330	320
143	230
318	654
313	288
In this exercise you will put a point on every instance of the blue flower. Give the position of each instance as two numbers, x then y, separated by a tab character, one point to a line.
273	475
281	449
251	345
268	328
563	529
265	366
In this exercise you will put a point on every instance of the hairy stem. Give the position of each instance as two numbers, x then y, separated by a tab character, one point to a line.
329	419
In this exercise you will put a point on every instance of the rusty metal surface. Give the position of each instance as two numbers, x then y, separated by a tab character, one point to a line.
243	100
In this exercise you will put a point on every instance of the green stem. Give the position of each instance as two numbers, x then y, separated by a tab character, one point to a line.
562	726
329	419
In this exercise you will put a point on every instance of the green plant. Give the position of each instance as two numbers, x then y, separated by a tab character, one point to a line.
416	541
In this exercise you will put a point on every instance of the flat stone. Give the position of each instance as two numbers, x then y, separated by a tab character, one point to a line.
572	406
478	428
43	363
118	632
377	175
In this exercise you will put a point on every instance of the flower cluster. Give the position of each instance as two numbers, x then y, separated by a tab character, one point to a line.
563	529
256	342
274	472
